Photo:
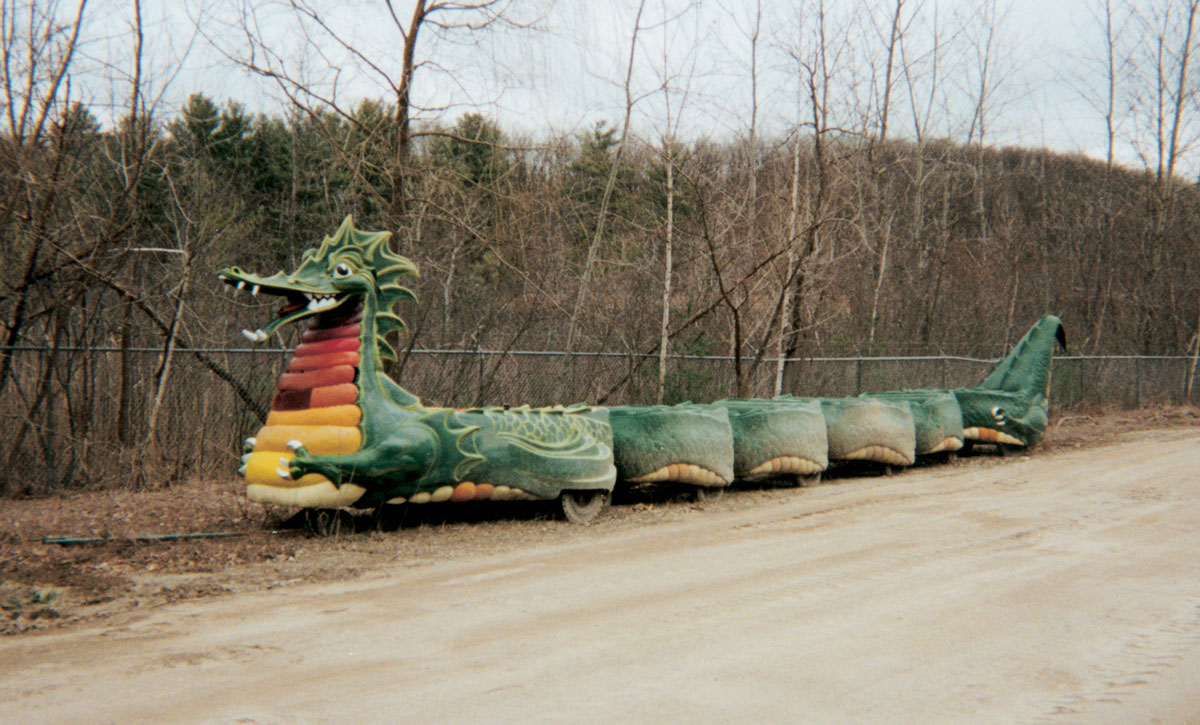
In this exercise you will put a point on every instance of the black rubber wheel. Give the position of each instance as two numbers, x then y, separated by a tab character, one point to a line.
582	507
708	494
323	522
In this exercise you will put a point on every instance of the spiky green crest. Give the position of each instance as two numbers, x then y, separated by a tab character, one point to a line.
370	256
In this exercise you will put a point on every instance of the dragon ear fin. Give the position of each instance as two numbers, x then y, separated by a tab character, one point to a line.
386	322
386	351
395	293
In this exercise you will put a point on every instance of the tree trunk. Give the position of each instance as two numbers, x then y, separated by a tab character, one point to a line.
668	266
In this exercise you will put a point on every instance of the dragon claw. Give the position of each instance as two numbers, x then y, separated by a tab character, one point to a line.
284	474
249	443
294	445
242	471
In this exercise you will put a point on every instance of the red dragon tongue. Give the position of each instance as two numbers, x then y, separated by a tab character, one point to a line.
290	308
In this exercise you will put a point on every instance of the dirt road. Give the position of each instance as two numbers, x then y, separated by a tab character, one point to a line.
1062	587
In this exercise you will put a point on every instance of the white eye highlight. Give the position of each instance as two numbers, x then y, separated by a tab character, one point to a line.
342	270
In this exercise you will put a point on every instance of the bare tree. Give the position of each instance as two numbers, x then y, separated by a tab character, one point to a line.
675	89
1099	79
606	197
981	28
38	44
891	44
1168	123
330	42
815	56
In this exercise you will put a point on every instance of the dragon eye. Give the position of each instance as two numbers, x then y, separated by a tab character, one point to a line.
997	412
342	270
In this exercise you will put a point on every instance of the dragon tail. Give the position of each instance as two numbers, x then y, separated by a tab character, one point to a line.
1026	368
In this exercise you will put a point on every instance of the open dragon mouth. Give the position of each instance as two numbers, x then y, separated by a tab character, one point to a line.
298	303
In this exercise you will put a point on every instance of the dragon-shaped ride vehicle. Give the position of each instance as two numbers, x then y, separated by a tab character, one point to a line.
341	433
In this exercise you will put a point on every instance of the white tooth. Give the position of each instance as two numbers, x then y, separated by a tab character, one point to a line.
254	290
251	336
312	305
309	296
241	284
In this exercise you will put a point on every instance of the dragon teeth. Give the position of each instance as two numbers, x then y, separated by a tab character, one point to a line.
320	302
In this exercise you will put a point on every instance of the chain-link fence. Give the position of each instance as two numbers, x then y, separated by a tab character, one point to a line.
73	415
470	377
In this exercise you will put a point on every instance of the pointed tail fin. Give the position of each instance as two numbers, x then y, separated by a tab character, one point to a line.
1026	369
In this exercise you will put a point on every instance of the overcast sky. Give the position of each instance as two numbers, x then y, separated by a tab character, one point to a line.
568	74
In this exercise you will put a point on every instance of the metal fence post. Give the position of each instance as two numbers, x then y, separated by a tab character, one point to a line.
1079	374
1137	382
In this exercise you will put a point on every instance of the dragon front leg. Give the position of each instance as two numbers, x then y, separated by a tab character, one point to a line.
403	456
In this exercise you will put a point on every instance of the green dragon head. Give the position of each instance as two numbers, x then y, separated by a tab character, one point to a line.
350	267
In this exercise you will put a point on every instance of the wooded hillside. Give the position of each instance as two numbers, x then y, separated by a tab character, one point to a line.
819	241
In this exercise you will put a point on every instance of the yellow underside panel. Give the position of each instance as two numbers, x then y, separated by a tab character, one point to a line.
317	495
989	435
952	443
321	440
337	415
880	454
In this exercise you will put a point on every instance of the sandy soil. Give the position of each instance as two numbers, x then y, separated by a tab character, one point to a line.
1063	586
